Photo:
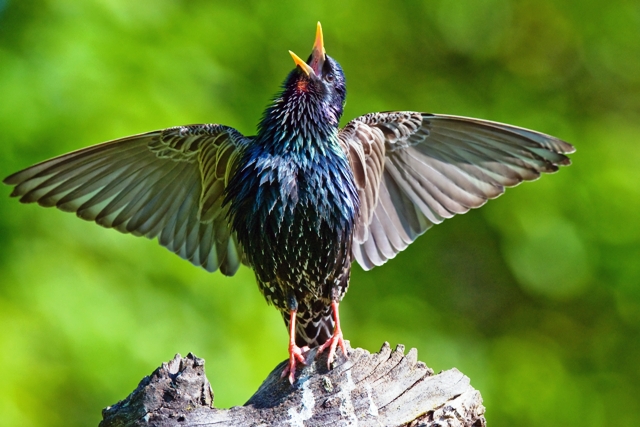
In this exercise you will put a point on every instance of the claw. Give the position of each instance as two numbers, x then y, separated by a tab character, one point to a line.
335	340
296	355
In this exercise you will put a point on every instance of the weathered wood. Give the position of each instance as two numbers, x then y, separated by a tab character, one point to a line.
387	388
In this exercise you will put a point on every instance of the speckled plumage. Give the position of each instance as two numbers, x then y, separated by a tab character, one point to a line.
301	200
293	203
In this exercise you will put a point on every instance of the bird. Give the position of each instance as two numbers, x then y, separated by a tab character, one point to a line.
301	200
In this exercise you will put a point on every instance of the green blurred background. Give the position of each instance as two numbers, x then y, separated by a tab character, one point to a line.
536	296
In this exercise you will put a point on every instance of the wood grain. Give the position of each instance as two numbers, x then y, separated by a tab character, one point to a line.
387	388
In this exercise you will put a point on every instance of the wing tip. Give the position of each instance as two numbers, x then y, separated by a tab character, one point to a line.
566	147
16	193
15	178
565	161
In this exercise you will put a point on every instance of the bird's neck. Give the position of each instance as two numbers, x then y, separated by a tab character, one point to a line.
297	123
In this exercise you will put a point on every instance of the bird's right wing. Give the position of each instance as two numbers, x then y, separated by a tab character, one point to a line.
414	170
167	184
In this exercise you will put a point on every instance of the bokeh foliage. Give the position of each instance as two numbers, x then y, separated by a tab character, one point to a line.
536	296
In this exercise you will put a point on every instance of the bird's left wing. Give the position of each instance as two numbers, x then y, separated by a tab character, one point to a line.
414	170
167	184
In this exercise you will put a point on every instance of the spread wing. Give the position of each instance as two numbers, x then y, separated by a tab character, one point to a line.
414	170
167	184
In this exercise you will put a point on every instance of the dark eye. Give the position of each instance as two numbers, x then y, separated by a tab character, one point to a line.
329	77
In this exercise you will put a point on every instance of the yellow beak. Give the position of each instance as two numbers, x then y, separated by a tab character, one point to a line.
300	63
318	55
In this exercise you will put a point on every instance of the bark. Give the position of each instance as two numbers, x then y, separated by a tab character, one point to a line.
387	388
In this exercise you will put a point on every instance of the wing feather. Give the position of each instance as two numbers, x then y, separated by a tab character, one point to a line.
414	170
166	184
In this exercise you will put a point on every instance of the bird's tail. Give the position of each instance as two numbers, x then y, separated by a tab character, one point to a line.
313	328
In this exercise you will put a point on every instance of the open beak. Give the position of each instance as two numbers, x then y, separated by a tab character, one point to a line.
317	58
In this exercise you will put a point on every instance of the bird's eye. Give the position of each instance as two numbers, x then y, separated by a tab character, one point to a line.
329	77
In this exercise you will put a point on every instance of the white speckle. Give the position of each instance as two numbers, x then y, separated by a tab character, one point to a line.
308	402
373	409
346	405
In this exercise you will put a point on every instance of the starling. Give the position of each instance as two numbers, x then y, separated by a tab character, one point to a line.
302	199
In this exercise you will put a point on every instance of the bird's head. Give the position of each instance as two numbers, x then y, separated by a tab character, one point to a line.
319	80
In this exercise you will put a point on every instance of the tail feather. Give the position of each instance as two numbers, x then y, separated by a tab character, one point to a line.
313	328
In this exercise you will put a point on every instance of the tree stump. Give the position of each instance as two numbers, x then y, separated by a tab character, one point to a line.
387	388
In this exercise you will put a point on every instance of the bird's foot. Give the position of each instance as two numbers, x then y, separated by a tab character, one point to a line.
332	343
296	355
